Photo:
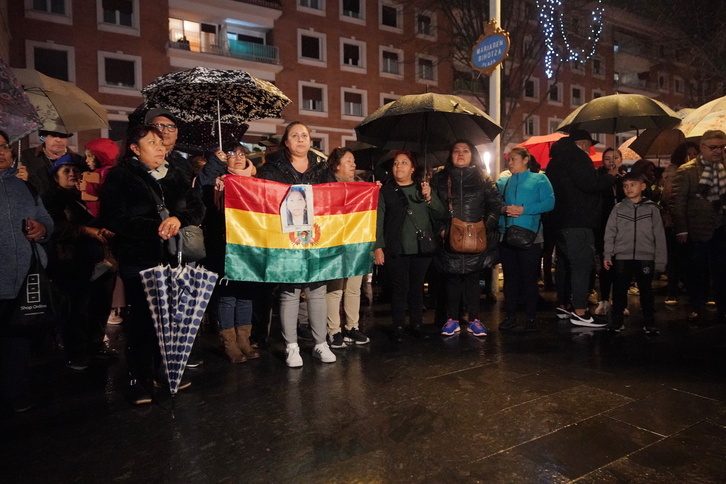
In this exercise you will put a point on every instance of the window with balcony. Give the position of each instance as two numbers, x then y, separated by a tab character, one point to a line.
53	60
58	11
119	71
390	16
391	62
426	68
531	89
531	126
311	48
194	36
353	9
313	98
353	55
577	97
353	103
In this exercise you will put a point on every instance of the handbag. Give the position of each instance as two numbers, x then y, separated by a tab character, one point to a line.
516	236
33	310
465	237
188	244
427	243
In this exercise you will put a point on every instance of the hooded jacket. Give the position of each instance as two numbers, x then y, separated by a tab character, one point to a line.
474	197
635	232
17	203
106	152
577	186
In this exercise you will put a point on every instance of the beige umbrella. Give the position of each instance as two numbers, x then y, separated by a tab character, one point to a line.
652	142
693	126
627	151
62	106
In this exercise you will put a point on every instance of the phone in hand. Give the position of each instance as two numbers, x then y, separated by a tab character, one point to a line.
26	225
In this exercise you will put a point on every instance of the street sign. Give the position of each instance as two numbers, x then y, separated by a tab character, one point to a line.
491	49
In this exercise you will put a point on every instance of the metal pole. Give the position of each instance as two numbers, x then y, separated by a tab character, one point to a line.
495	90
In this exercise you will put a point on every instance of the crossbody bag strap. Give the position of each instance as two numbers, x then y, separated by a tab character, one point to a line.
506	217
448	195
160	203
404	201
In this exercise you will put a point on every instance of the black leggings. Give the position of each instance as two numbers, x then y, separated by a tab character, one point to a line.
466	286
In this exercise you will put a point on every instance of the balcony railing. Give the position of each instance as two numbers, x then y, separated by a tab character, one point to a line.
238	49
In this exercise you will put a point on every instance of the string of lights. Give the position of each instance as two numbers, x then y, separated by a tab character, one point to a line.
552	19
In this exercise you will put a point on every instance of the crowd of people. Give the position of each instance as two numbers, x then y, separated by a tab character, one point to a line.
100	220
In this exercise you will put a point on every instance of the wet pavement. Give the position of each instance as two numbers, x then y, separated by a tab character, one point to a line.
564	404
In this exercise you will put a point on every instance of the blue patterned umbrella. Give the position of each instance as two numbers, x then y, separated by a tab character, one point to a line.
18	117
177	298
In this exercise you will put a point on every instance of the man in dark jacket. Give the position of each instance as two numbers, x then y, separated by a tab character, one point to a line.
40	160
698	206
578	191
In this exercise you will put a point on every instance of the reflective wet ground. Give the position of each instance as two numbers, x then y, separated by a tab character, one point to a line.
564	404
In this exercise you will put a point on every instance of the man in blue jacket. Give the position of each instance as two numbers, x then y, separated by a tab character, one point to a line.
578	190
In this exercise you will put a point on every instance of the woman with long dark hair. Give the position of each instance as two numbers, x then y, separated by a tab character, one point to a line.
406	208
130	208
471	196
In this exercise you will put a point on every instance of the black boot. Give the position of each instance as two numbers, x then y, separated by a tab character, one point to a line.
418	330
397	334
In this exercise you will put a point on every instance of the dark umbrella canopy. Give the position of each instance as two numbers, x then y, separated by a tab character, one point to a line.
192	95
18	117
652	142
620	112
425	123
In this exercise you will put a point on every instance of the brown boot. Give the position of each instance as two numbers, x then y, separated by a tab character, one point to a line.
243	341
230	346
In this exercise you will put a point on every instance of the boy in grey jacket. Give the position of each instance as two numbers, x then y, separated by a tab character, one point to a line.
634	245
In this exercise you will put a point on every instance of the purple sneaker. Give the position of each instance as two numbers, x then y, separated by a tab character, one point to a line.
476	328
451	327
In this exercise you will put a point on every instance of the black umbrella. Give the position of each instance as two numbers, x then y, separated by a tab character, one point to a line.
215	95
620	112
426	122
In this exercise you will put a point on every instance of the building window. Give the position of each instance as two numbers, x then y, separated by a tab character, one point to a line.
56	7
312	4
390	17
596	94
426	68
388	98
577	97
555	93
57	11
678	85
577	66
353	103
194	36
119	12
119	71
531	126
391	61
352	9
531	89
353	55
313	98
424	25
598	69
663	81
552	124
53	60
311	47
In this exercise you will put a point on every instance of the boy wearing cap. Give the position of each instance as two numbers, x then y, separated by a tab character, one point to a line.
635	245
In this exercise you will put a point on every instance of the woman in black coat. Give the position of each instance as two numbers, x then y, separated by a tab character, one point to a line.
472	197
130	207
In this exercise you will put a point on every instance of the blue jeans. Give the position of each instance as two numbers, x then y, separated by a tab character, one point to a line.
234	305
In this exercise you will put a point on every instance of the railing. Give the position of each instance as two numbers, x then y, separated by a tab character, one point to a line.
463	85
238	49
263	3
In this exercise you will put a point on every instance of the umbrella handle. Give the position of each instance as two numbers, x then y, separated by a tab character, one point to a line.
219	125
179	249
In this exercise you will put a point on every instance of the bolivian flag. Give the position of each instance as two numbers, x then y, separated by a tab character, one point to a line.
338	246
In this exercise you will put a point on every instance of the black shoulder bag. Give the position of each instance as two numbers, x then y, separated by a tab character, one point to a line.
188	244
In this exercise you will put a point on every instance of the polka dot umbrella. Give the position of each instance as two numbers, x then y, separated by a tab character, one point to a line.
177	298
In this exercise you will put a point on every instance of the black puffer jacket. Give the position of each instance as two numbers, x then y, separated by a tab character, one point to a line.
577	186
129	208
278	168
474	197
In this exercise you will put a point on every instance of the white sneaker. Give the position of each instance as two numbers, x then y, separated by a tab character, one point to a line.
602	308
323	353
293	358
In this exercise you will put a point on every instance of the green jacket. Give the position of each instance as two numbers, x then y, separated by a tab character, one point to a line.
693	214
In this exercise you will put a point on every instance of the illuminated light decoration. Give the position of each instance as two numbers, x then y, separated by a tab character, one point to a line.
552	19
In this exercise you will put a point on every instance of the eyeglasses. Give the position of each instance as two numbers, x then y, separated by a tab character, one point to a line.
235	153
4	147
715	147
161	127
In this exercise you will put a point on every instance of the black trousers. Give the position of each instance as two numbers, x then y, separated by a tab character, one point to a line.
407	273
521	269
14	358
623	272
464	286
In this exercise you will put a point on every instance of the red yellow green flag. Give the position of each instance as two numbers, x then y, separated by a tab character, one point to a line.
338	246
